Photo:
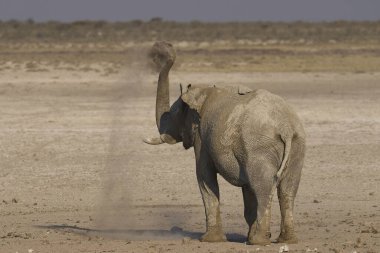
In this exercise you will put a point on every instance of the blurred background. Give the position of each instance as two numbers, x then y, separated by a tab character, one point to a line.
77	96
337	35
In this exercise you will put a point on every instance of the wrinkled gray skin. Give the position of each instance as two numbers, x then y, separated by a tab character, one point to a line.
253	139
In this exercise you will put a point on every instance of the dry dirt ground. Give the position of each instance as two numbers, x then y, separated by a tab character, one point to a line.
75	175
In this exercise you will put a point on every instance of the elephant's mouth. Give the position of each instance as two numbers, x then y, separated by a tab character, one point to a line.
187	140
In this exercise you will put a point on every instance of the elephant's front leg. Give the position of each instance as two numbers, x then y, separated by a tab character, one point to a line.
209	188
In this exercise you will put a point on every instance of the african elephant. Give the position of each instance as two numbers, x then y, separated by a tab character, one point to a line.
253	139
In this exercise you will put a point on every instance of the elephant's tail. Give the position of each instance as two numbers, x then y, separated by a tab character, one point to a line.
288	144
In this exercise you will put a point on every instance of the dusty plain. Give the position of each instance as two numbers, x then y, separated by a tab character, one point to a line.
75	175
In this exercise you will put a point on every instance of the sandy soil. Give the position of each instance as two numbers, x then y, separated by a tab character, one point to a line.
76	177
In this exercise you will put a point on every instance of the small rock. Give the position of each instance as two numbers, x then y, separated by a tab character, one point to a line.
284	248
186	240
14	201
358	243
370	230
30	250
316	201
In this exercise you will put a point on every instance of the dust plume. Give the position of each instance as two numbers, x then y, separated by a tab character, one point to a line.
116	215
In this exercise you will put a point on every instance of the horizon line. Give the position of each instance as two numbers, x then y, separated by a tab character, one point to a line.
159	19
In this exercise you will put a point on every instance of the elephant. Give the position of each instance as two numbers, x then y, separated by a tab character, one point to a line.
253	139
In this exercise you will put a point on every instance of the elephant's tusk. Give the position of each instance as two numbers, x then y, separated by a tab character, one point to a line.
164	138
153	141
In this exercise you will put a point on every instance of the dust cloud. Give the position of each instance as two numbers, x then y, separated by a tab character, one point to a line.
116	215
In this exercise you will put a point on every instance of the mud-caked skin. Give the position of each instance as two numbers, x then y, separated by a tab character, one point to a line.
252	138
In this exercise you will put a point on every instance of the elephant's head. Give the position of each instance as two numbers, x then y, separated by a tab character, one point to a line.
179	122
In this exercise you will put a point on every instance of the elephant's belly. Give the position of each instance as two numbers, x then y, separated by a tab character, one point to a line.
228	167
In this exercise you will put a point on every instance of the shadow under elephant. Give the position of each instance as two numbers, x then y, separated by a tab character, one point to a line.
138	234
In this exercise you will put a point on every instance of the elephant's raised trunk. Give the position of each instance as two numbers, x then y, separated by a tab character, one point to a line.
163	55
162	99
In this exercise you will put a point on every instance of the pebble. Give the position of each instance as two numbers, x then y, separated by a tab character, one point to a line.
284	248
186	240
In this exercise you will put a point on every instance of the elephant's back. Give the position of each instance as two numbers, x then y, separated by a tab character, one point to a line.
230	117
271	115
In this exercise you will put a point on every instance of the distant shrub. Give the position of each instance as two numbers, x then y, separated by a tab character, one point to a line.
158	29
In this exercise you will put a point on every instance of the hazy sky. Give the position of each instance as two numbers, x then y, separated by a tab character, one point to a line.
185	10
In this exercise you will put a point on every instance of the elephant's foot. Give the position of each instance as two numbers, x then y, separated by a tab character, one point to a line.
213	235
259	239
289	238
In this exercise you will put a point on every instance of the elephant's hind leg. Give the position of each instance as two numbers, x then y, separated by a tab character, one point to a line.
261	189
287	233
250	215
250	206
259	233
287	190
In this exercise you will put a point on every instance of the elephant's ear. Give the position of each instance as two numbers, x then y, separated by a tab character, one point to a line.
194	97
